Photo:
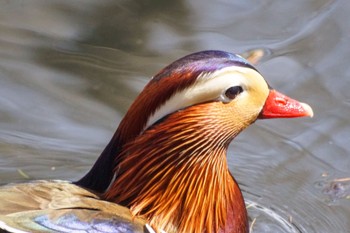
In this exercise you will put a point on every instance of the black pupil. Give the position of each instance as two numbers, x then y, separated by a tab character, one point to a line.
232	92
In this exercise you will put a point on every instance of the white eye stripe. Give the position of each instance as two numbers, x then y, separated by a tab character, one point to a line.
209	86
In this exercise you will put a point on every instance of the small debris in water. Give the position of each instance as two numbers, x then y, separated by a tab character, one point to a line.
338	189
23	174
252	225
254	56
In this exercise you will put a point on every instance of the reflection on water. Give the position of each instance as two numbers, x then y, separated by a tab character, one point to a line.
69	71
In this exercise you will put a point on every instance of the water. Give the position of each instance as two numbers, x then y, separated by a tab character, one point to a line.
70	69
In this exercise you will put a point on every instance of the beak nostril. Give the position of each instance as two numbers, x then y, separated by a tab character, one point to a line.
281	101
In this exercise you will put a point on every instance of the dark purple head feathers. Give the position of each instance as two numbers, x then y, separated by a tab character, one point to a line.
203	62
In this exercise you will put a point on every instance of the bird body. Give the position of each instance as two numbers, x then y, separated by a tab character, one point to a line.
166	164
60	206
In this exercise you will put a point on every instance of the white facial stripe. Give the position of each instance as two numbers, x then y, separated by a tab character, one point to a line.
208	87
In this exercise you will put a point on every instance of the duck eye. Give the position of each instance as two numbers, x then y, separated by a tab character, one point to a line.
232	92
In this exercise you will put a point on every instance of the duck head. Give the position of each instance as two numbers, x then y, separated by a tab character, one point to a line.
169	152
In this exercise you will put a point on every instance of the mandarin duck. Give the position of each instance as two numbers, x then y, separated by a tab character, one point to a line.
165	168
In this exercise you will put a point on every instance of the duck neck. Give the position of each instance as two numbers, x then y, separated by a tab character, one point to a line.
179	179
101	174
